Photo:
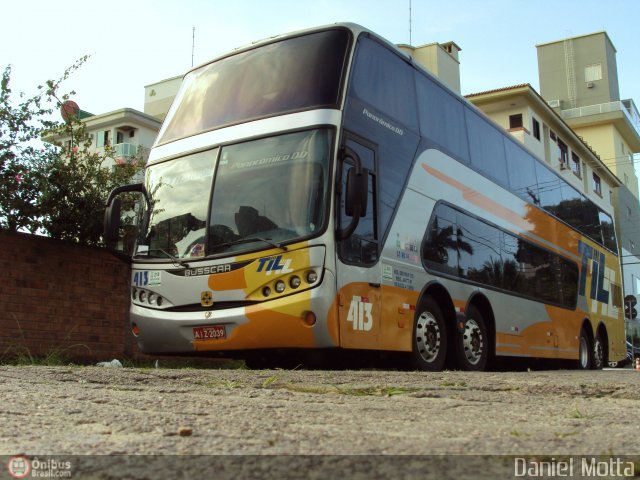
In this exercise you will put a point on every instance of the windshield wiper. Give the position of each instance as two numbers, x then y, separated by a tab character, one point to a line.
176	262
249	240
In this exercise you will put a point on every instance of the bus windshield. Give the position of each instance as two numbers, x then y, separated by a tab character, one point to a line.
266	192
289	75
270	190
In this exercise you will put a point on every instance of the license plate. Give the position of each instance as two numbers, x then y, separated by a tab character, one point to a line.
209	332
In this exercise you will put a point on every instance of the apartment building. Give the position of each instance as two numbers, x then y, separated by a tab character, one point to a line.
579	80
441	59
527	117
129	132
158	96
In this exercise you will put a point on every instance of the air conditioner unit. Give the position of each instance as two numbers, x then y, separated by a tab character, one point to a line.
554	103
564	166
590	85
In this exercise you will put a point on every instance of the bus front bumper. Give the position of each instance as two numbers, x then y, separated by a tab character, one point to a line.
301	320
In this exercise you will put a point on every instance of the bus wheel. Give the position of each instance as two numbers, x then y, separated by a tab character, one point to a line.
585	352
599	355
472	345
429	338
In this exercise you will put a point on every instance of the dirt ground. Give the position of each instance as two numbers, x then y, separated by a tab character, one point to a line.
141	423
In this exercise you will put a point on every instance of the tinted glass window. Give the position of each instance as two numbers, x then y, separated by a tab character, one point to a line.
381	108
486	146
571	206
289	75
522	172
513	272
549	189
440	251
460	245
590	224
383	80
441	117
608	232
569	282
478	251
541	281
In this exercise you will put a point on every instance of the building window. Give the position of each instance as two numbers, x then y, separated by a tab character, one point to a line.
593	72
515	121
102	138
632	246
597	184
119	137
564	153
552	134
536	129
575	165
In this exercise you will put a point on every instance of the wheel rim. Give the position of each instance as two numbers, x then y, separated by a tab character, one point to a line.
428	337
598	353
584	352
472	342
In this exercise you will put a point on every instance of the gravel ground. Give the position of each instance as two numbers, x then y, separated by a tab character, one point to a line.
149	423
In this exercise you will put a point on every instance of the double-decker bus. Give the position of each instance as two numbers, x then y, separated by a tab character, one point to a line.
321	191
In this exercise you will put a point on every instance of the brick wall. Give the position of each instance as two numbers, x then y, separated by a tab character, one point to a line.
60	297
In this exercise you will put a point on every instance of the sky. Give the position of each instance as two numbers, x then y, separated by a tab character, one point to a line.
135	43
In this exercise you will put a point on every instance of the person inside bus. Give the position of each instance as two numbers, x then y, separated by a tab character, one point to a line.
249	222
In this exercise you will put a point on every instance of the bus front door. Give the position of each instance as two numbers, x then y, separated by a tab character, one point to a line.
358	273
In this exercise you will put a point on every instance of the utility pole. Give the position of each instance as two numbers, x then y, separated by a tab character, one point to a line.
193	43
410	42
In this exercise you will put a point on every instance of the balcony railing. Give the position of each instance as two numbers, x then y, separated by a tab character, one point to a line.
626	106
125	149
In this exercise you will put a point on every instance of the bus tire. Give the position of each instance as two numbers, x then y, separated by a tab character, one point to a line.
429	337
472	345
599	352
585	351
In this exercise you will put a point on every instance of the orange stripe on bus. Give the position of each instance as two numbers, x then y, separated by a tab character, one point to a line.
533	222
480	199
233	280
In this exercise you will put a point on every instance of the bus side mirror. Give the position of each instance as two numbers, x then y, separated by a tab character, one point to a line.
120	242
357	192
112	222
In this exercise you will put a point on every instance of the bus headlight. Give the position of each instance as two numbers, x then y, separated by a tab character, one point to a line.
294	282
280	286
312	277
